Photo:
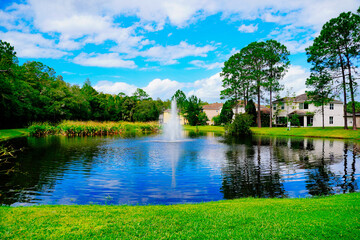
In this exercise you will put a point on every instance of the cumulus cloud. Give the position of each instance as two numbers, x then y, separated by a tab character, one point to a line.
209	66
108	60
208	89
163	89
170	54
29	45
248	28
294	80
115	87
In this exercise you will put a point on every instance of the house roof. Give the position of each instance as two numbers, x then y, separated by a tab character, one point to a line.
213	106
301	98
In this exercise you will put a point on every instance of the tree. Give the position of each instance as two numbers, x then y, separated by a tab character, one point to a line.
277	57
251	111
337	47
180	98
193	110
235	79
140	95
226	114
256	58
322	92
240	126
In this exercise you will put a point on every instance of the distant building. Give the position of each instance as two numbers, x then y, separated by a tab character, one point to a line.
165	116
309	114
349	118
241	108
212	110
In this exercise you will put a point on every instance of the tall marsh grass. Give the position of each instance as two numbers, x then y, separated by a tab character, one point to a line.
91	128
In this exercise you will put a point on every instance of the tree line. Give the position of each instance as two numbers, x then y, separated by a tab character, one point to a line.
33	92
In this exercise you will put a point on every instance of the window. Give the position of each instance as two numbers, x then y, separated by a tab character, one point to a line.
331	106
306	106
274	107
283	106
331	120
301	105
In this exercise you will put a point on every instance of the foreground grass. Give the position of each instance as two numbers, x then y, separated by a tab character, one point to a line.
334	217
6	134
328	132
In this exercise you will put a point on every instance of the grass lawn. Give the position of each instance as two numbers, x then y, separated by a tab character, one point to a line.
13	133
328	132
334	217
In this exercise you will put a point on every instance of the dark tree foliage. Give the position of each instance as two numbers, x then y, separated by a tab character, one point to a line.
226	114
193	111
33	92
240	126
251	110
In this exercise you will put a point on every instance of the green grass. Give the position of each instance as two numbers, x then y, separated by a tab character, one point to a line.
334	217
328	132
6	134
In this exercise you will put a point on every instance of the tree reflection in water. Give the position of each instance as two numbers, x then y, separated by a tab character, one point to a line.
260	166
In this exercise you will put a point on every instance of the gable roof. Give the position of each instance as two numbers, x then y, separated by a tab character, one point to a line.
301	98
213	106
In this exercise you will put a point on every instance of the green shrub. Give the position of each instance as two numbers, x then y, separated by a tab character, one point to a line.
217	120
294	120
240	126
41	129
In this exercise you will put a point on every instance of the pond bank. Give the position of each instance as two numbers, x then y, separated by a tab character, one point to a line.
333	217
328	132
6	134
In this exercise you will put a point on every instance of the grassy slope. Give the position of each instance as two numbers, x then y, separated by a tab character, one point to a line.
329	132
13	133
332	217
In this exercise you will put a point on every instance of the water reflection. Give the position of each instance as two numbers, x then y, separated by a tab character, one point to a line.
137	170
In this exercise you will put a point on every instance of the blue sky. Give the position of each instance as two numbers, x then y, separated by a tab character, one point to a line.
158	45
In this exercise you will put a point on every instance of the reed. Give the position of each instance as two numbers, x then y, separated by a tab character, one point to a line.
91	128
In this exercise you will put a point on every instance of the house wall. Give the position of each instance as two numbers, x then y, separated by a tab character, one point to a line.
167	115
350	121
240	110
210	113
336	113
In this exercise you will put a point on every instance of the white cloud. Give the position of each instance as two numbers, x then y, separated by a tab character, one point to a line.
163	89
248	28
108	60
170	54
29	45
295	79
208	89
115	87
209	66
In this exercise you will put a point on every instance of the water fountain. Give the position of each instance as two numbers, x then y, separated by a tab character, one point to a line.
173	129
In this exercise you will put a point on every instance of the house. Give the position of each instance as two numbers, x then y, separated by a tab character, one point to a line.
212	110
349	118
241	108
309	114
165	116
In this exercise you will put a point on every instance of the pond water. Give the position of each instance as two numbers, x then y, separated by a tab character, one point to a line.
141	170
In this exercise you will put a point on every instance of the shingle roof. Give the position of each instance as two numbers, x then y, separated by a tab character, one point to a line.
213	106
302	98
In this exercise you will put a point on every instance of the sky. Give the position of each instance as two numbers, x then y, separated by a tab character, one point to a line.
161	45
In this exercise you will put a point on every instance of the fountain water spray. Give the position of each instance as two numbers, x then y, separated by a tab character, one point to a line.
173	129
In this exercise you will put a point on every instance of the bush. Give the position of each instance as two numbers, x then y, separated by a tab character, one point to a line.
294	120
202	118
217	120
240	126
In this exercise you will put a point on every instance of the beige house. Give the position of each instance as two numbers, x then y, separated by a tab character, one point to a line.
165	116
212	110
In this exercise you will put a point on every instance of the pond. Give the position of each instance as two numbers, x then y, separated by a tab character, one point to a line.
140	170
